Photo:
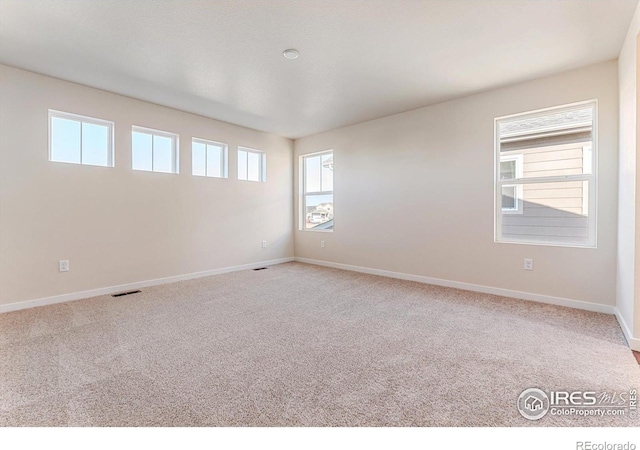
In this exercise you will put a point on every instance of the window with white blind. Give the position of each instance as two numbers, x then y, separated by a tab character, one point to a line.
208	158
545	180
154	150
316	203
252	164
80	140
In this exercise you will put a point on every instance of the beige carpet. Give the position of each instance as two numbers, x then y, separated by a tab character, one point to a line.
302	345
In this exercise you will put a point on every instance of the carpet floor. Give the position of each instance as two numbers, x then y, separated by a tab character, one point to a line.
302	345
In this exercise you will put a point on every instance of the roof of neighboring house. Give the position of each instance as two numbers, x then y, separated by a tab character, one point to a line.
562	120
328	163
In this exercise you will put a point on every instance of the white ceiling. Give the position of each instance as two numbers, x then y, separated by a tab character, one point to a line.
360	59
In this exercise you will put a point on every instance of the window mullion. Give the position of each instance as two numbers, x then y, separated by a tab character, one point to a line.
153	153
536	180
81	142
221	162
206	160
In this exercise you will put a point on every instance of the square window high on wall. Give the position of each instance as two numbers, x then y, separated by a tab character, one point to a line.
316	197
208	158
80	139
154	150
252	165
546	175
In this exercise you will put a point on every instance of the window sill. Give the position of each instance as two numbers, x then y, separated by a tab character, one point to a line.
547	244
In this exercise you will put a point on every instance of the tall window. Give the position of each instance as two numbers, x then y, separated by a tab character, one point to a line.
80	140
208	158
546	177
252	165
154	150
317	191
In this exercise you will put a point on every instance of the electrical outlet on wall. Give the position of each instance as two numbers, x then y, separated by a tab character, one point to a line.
264	244
321	244
63	265
528	264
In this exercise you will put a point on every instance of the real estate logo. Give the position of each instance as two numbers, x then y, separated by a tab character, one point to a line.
533	404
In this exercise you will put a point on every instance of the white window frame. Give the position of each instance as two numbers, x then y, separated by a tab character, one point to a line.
86	119
263	164
224	157
175	139
591	179
587	150
302	206
519	188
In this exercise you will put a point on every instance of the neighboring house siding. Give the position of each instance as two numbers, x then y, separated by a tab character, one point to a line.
555	211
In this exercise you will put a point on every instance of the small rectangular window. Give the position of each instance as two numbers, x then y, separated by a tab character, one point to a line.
252	165
546	183
154	150
80	140
208	158
316	205
511	169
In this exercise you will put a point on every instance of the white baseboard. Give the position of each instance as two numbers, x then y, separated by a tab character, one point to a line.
634	343
136	285
559	301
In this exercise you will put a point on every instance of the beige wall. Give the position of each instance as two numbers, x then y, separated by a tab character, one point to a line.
414	193
116	225
628	275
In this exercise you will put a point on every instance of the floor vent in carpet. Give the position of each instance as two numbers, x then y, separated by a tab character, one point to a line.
125	293
261	268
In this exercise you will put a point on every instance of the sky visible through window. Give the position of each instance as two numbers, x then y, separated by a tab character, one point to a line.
78	142
208	159
152	152
250	165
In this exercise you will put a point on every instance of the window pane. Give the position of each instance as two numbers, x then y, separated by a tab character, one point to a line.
95	144
554	144
214	160
253	170
312	166
550	213
242	165
162	154
507	170
587	159
554	160
319	212
65	140
508	198
198	159
327	172
141	153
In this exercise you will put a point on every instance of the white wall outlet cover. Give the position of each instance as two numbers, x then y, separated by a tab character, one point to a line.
528	264
63	265
322	244
264	244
